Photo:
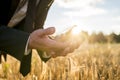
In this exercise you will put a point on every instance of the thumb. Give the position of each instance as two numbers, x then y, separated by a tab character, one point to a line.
48	31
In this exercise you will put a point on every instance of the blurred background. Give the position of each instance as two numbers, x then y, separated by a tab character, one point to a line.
88	15
95	26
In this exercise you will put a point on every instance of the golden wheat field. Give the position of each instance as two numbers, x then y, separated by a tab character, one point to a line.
88	62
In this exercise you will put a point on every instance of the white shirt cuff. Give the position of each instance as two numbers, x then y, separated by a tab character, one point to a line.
27	51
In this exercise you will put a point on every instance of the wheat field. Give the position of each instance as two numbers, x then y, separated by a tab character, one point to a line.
88	62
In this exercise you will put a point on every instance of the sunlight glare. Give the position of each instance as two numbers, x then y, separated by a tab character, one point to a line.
76	30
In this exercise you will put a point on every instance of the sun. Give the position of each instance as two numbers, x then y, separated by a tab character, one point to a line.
76	30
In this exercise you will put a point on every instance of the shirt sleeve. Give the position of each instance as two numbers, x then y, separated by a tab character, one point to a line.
27	51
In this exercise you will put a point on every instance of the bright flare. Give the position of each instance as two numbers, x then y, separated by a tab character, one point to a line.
76	30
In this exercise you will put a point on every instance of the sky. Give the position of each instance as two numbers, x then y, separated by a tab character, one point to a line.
88	15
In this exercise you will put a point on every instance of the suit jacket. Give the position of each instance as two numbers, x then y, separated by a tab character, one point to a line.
13	40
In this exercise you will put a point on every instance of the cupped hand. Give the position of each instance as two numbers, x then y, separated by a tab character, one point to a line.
72	42
40	40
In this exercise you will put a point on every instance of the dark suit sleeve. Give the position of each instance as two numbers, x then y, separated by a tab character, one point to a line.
13	41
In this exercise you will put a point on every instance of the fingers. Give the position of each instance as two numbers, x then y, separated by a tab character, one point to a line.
44	32
57	45
48	31
63	50
60	53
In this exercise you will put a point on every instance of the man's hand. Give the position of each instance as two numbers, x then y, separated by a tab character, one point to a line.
71	45
39	39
